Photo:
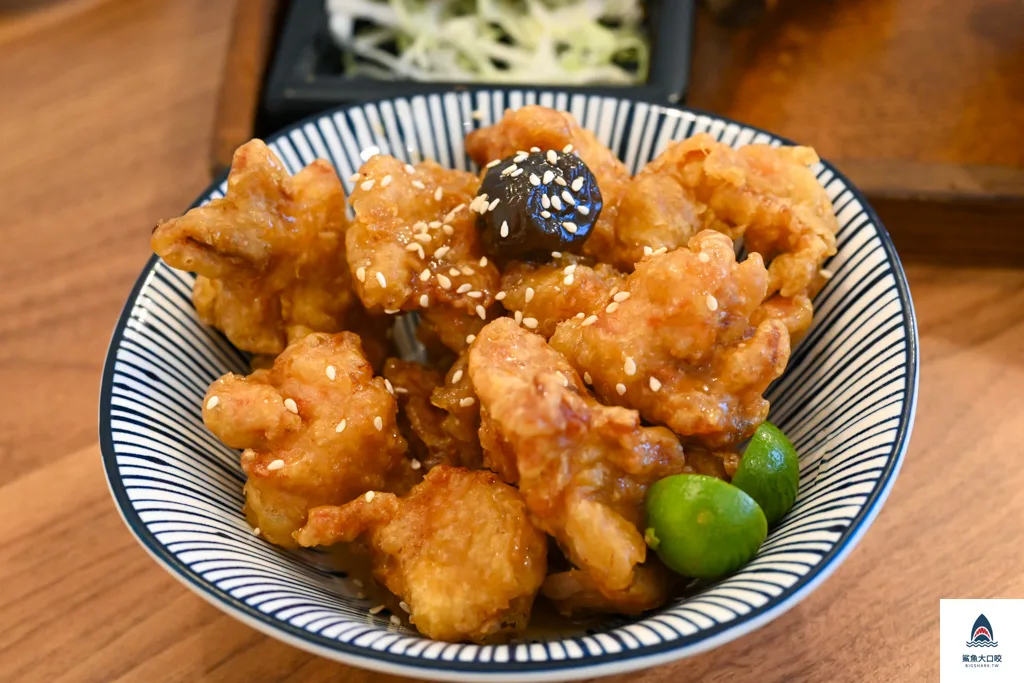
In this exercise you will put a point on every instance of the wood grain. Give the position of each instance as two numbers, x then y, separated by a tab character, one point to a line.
107	110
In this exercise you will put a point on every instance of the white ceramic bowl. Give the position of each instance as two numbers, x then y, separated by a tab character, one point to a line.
847	401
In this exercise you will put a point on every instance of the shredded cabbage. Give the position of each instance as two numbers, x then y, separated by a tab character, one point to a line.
563	42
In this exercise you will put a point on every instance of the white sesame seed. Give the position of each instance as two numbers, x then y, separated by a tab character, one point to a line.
444	281
545	214
559	180
556	203
464	288
256	531
518	317
712	303
492	164
439	193
470	338
535	150
508	169
571	268
341	426
516	173
483	261
827	274
331	373
548	177
529	294
404	605
475	294
395	621
418	184
454	272
355	177
451	214
504	229
611	307
569	226
621	296
561	376
289	404
581	315
568	198
441	251
591	319
424	300
467	402
425	275
567	148
655	385
367	185
420	226
379	608
361	274
378	423
552	156
659	251
531	323
534	180
401	390
568	279
629	366
620	388
448	230
422	237
385	181
545	201
435	224
391	311
481	311
585	210
410	169
212	403
500	296
648	251
275	465
381	280
416	464
389	386
520	158
587	378
457	377
577	184
556	254
703	258
492	205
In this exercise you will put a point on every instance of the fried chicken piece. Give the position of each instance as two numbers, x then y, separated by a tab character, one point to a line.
795	312
552	292
765	194
536	126
414	244
317	428
681	348
269	256
459	550
583	468
436	435
451	326
575	592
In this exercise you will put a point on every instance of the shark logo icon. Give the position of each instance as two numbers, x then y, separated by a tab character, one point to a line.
982	634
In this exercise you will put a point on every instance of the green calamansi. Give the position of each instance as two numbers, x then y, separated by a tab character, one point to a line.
769	472
701	526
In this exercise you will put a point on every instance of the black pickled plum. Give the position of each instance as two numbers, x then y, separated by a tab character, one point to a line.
538	202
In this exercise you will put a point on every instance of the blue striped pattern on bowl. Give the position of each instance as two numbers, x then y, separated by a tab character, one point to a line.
847	402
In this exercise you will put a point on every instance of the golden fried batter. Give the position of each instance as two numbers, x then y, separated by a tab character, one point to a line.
552	292
681	348
583	468
535	126
576	592
414	244
765	194
451	326
437	436
795	312
459	550
269	256
457	397
317	429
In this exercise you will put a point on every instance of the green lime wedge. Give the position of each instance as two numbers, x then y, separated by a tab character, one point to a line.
769	472
701	526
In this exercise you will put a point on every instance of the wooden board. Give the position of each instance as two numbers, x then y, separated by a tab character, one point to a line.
94	154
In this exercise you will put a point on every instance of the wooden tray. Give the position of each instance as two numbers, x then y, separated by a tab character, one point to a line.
945	183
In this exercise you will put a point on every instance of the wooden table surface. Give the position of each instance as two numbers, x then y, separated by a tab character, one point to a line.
104	128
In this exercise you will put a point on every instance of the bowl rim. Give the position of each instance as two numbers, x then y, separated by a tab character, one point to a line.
589	665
